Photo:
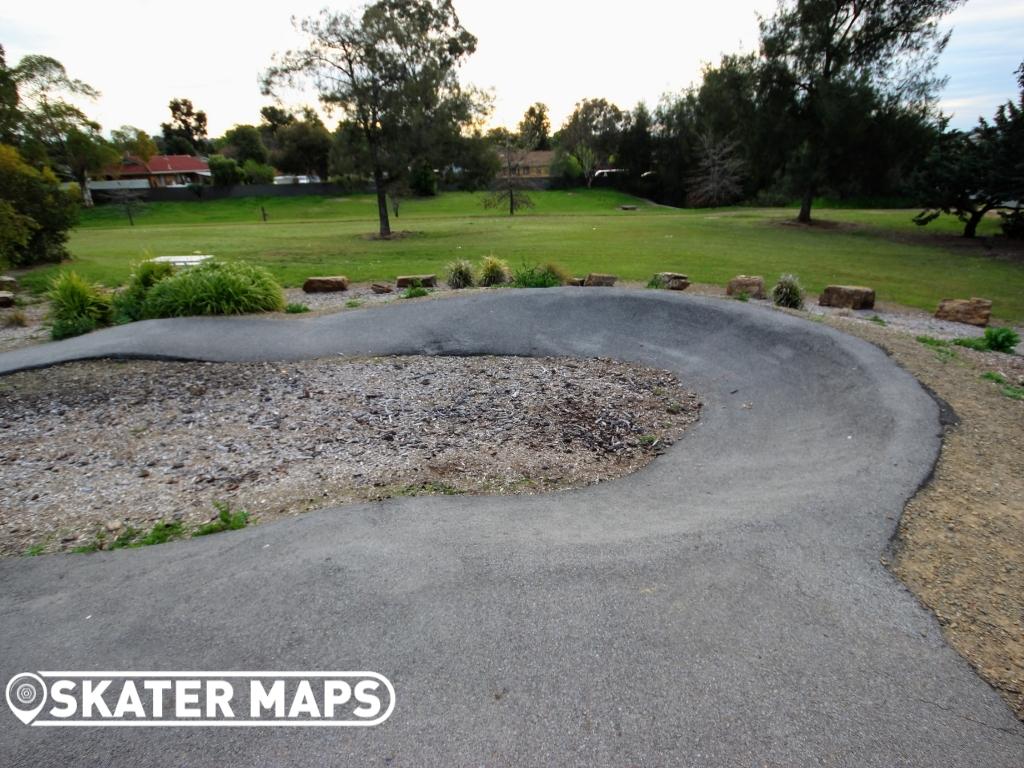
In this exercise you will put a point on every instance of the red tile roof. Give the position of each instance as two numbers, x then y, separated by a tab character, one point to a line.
158	164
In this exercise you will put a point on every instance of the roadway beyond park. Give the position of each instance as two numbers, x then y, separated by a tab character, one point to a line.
724	606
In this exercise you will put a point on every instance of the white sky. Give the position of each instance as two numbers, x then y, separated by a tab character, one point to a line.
142	53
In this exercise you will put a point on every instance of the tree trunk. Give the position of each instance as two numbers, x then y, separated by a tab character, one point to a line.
805	205
971	228
382	202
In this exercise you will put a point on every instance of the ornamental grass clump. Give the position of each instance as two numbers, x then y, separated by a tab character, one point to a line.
215	288
459	274
547	275
76	306
128	304
788	293
493	271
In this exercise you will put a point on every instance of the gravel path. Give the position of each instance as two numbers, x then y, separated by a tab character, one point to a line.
92	449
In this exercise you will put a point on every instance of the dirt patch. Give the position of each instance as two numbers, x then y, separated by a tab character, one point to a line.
90	449
960	543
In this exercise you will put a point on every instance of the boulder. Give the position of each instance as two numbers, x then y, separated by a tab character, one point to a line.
325	284
424	281
970	311
381	288
597	279
6	299
753	286
848	297
672	281
8	283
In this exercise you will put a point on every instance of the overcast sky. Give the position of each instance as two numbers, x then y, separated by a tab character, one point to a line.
142	53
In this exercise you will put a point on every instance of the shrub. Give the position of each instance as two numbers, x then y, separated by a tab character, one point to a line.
36	213
225	171
296	309
226	520
788	293
493	271
994	340
215	288
1013	223
128	304
257	173
414	291
460	274
76	306
543	276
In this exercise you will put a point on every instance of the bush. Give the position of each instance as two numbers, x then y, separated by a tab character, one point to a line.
540	276
215	288
36	213
257	173
415	291
493	271
225	171
460	274
788	293
76	306
1013	224
994	340
296	309
129	303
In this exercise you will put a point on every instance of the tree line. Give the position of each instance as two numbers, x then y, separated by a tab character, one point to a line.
839	101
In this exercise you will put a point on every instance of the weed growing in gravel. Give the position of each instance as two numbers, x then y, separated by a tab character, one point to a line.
161	532
35	550
16	319
226	520
998	378
1012	392
674	408
648	441
877	320
742	296
354	303
931	341
1008	390
994	340
788	293
540	276
415	291
459	274
428	488
297	309
493	271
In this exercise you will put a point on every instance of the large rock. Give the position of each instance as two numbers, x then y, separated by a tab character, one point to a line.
751	285
672	281
325	284
8	283
970	311
381	288
597	279
424	281
848	297
6	299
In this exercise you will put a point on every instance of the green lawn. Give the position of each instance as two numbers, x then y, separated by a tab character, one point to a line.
583	230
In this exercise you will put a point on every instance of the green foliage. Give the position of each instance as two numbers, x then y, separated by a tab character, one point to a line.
353	303
128	304
225	171
76	306
36	213
246	145
493	271
878	320
742	296
257	173
931	341
215	288
539	276
423	180
994	376
788	293
226	520
161	532
994	340
1012	392
415	291
296	309
459	274
35	550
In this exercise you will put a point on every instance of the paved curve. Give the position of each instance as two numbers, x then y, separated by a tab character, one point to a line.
723	607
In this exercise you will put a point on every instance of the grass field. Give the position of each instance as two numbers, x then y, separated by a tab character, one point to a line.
583	230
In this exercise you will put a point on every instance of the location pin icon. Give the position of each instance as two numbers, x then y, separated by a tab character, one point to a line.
26	696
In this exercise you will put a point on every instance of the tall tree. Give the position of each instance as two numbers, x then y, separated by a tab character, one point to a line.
535	127
185	134
822	51
718	178
133	141
595	123
510	189
243	142
391	69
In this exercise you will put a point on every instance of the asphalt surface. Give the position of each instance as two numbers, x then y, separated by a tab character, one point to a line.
723	607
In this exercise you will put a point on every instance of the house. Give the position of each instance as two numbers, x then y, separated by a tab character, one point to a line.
157	172
535	164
